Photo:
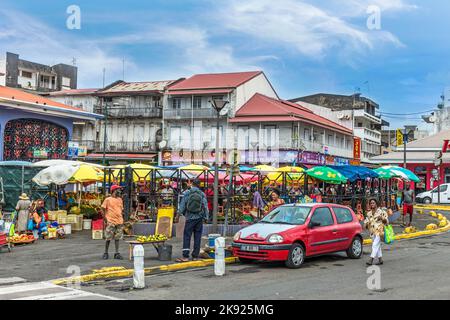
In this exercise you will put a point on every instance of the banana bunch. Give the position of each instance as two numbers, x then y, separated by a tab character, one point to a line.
152	238
410	230
431	226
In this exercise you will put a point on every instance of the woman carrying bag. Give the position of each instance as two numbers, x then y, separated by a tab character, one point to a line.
376	220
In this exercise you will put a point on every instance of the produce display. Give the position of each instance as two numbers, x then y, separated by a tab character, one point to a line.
23	238
152	238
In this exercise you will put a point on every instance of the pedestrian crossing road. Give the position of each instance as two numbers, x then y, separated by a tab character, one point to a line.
19	289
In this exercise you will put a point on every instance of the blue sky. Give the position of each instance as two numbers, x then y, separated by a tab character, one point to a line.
304	46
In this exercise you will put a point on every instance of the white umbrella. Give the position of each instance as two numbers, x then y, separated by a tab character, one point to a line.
58	175
51	163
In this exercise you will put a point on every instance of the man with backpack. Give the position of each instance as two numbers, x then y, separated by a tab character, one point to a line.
194	206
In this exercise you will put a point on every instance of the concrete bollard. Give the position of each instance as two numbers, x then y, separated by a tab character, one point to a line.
139	274
219	256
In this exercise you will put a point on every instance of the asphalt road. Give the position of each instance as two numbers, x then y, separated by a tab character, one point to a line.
413	269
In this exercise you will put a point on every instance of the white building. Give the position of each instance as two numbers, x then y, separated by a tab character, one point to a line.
354	112
440	118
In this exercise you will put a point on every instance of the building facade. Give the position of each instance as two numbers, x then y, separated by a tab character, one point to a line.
19	73
421	159
354	112
34	128
190	120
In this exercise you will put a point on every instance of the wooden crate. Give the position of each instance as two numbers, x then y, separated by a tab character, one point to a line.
62	220
53	215
97	234
71	218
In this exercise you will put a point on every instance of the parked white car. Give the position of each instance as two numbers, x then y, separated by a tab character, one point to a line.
439	194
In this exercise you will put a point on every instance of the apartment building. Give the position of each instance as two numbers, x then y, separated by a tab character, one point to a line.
190	120
36	77
354	112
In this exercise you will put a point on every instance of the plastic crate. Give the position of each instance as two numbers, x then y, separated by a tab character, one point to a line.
97	224
71	218
62	220
97	234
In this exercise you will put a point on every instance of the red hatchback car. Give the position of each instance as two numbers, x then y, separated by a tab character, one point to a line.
293	232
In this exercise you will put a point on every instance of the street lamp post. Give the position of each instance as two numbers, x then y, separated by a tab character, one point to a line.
218	105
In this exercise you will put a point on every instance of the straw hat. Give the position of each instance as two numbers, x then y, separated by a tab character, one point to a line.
24	196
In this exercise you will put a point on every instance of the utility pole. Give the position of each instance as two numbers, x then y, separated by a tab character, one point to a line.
405	140
105	113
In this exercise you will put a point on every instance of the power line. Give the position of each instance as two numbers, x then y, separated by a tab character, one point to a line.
402	114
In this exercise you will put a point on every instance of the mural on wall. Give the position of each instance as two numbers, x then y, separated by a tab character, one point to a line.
31	139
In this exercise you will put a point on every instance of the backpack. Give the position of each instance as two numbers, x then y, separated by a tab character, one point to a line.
195	201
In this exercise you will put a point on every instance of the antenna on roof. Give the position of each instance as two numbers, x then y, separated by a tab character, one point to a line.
123	68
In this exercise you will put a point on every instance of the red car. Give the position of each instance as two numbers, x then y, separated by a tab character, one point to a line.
293	232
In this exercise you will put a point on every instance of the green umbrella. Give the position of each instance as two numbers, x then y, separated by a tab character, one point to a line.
326	174
385	173
404	173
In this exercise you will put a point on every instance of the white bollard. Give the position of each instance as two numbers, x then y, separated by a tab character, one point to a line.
139	274
219	256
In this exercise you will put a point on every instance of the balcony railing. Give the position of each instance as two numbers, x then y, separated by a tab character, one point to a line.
130	112
124	146
203	113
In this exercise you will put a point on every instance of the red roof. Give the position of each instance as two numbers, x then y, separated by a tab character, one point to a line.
215	81
22	96
200	92
261	108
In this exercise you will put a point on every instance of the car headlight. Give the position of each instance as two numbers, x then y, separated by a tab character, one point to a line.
237	236
275	238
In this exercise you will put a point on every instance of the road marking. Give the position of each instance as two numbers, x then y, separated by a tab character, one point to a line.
11	280
45	291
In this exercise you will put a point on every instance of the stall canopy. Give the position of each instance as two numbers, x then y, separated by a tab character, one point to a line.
64	174
354	173
403	173
326	174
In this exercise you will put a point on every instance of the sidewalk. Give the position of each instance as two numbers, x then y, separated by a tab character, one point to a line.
49	259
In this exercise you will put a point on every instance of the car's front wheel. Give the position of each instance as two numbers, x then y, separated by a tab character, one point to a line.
427	200
296	256
355	250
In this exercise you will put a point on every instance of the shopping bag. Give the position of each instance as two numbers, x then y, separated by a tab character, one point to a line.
389	235
12	230
30	225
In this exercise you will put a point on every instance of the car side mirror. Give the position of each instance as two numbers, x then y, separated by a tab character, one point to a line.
314	224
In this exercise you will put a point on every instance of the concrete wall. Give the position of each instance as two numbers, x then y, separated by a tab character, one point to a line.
2	71
7	115
245	92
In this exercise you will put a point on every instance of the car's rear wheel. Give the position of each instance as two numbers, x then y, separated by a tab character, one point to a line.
427	200
355	250
296	256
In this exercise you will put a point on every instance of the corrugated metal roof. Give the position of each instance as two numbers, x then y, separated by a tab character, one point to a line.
130	87
200	92
73	92
261	108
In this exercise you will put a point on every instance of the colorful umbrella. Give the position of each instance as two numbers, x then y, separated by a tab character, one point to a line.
64	174
403	173
194	167
292	174
140	171
86	174
385	174
326	174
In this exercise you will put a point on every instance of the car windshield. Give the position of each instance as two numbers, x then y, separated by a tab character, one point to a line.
288	215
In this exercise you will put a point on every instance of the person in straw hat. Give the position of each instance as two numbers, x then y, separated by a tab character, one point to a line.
23	212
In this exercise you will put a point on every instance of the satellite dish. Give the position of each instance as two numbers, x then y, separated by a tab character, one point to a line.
162	144
224	111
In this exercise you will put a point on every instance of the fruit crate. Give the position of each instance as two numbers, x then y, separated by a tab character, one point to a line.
97	234
71	218
97	224
62	220
53	215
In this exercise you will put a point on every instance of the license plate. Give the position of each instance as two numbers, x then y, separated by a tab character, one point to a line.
250	248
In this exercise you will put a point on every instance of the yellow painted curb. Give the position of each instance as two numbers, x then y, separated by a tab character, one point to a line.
432	207
121	272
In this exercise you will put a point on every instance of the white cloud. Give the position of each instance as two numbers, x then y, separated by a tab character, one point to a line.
307	28
35	41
